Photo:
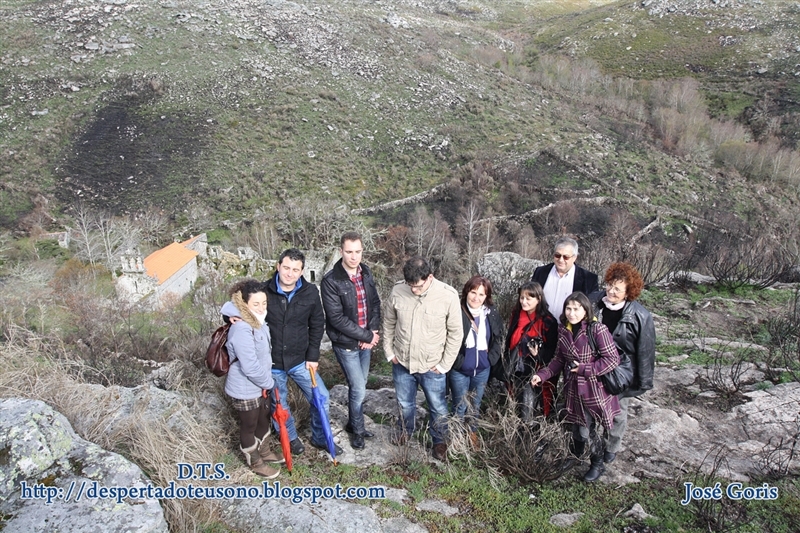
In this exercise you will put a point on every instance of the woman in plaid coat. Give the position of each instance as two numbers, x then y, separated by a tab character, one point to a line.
587	401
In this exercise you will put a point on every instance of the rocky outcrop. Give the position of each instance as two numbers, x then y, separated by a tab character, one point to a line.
671	434
41	457
507	270
677	429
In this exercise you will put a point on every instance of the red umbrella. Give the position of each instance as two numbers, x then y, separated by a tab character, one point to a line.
281	415
319	403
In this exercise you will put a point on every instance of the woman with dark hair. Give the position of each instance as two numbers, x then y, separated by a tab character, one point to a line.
634	333
586	348
480	349
531	343
249	378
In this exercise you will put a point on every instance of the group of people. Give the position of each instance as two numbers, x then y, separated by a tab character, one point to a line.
442	342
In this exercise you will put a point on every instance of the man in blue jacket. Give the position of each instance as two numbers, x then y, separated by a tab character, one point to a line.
352	319
296	324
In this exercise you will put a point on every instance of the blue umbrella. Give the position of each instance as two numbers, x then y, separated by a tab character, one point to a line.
319	403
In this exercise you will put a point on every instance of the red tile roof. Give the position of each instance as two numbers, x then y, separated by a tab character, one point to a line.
163	263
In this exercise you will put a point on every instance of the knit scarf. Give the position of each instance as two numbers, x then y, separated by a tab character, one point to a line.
478	337
613	307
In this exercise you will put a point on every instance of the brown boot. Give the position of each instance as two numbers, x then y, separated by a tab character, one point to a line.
474	441
266	454
440	451
256	464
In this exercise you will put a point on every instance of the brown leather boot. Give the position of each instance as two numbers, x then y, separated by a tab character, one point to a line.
266	454
474	441
440	451
256	464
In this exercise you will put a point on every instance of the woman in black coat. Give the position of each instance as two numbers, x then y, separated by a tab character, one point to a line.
634	333
531	344
480	349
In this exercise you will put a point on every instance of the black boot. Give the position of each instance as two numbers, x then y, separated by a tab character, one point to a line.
576	449
596	469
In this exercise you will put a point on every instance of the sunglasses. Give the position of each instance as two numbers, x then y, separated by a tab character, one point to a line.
566	257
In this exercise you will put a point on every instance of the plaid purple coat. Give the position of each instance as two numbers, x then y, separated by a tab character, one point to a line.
584	391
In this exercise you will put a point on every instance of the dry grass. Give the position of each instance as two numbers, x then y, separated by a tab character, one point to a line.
34	367
535	452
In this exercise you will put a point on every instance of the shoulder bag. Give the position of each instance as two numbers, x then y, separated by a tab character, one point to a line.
217	358
620	378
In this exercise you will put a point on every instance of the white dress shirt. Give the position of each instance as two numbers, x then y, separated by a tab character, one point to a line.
557	288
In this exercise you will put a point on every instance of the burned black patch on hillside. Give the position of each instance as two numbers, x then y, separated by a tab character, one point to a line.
128	159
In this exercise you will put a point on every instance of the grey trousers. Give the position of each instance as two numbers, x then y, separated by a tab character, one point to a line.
614	436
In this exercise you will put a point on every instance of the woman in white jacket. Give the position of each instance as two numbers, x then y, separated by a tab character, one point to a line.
249	379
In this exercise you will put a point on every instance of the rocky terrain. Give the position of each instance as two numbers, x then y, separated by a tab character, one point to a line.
601	119
724	419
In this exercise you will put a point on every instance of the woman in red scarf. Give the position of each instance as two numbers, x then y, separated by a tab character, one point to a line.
531	344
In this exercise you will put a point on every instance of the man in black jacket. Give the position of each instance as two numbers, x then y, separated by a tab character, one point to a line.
352	319
296	324
559	279
562	277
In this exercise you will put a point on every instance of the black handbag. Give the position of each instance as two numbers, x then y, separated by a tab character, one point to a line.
620	378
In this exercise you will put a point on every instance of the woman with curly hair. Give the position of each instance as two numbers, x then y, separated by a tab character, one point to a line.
634	334
249	378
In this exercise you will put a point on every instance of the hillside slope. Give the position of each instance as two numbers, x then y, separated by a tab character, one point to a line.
234	107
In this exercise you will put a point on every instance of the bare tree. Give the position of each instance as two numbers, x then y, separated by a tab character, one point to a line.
525	243
314	223
86	238
470	222
430	237
264	238
117	235
735	261
152	225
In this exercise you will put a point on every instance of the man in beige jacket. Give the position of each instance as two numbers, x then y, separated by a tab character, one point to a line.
422	335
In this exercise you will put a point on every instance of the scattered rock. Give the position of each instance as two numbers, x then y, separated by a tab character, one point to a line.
565	520
637	512
436	506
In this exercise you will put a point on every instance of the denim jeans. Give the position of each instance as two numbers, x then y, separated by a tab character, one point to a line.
467	393
433	385
302	378
355	365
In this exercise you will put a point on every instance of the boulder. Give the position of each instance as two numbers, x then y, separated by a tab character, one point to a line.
118	404
40	453
507	271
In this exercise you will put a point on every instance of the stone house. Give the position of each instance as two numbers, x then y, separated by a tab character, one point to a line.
163	276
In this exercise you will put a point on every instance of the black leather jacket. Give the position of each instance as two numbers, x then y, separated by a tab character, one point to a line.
341	307
635	335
